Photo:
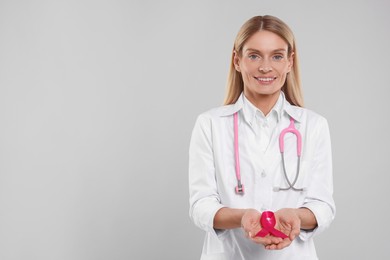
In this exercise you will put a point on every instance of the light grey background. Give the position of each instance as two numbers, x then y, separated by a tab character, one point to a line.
98	100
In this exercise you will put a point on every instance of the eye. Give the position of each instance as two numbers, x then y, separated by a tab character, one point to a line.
253	57
277	57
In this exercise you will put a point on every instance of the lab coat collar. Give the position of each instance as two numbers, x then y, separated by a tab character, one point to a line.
293	111
229	110
252	113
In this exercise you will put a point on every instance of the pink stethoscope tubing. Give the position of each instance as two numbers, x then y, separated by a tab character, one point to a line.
239	187
290	129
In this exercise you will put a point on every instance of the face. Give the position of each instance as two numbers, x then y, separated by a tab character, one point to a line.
263	64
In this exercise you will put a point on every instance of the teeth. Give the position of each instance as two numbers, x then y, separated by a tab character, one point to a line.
265	79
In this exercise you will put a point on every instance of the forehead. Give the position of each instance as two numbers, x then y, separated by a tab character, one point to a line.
265	41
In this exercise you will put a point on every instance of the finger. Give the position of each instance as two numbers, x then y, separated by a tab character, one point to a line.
275	240
285	243
248	235
270	247
261	240
294	233
268	240
275	247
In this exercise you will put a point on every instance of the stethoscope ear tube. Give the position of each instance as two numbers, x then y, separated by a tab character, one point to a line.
291	185
291	129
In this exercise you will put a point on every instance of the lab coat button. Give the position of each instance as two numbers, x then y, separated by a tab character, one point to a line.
263	174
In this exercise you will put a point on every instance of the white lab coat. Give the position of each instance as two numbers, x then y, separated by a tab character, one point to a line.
212	178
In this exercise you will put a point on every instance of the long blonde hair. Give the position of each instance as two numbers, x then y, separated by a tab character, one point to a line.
292	86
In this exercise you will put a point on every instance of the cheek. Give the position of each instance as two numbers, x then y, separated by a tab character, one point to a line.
283	78
248	78
245	78
283	71
248	71
287	68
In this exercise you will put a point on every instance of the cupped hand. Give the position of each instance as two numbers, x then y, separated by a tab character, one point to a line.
250	222
287	221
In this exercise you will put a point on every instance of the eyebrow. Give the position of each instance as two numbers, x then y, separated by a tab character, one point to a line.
276	50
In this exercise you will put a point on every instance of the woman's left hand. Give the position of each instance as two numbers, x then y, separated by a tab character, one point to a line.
287	221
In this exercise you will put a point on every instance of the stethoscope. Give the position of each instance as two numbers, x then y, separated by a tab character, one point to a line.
290	129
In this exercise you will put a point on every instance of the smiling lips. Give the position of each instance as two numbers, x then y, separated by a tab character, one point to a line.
265	80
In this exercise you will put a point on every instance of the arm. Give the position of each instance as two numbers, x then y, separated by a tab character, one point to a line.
318	209
319	196
227	218
204	196
307	219
289	221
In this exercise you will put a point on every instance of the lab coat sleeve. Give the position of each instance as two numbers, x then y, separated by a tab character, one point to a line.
204	197
319	197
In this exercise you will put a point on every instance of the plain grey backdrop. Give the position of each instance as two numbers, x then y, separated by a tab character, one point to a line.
97	104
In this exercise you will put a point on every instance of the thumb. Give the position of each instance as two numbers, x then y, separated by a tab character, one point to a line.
295	232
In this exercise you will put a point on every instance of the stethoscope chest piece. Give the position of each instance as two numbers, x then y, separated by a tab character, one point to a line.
240	189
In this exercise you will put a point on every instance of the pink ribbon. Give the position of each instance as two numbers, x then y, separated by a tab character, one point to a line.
268	222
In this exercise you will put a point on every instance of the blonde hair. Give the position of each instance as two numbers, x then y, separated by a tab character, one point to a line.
292	86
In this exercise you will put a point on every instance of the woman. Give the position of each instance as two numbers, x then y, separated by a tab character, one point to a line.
236	168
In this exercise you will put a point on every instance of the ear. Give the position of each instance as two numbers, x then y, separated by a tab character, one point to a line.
291	61
236	61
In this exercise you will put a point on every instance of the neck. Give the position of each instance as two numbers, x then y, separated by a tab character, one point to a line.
263	102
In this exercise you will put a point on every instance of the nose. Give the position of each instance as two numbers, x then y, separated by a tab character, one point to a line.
265	66
265	69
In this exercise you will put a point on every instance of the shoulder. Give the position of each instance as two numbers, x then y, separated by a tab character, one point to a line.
217	113
209	121
305	114
310	119
314	117
214	120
